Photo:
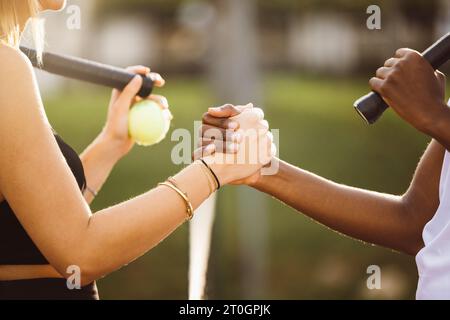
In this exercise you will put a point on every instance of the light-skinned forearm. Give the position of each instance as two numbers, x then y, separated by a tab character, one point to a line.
98	160
370	216
118	235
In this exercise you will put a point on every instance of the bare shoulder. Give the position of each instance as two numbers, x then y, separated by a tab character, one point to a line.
12	58
16	69
18	83
20	101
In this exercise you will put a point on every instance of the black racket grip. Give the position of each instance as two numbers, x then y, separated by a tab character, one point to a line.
371	106
88	71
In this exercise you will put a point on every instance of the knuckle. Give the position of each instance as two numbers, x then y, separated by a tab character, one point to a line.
412	56
399	52
205	117
392	77
228	107
380	86
408	54
385	87
379	71
400	63
223	122
234	110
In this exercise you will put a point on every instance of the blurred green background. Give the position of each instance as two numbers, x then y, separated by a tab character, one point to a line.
310	103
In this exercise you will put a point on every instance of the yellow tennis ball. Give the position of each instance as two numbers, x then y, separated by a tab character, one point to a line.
148	123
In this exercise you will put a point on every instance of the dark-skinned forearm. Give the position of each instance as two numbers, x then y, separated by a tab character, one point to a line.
439	128
370	216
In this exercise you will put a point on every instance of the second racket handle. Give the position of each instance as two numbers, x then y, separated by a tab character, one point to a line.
371	106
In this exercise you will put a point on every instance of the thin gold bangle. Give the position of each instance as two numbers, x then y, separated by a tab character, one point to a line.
189	208
209	174
213	174
91	191
175	184
211	183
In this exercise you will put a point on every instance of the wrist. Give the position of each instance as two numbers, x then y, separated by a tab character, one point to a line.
258	181
262	180
109	146
439	123
220	172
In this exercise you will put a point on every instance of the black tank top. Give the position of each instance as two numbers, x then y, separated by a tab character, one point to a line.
17	248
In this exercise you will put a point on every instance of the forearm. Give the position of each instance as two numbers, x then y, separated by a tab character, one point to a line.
120	234
370	216
438	128
98	160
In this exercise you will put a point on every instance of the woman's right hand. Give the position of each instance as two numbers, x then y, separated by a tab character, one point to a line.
238	147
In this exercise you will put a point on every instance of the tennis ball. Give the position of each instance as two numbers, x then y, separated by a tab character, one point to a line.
148	123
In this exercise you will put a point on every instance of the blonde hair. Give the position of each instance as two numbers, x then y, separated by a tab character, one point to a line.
10	25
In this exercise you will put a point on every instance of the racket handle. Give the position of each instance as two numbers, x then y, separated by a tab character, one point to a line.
88	71
371	106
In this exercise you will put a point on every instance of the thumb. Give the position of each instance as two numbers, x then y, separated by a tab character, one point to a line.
128	94
225	111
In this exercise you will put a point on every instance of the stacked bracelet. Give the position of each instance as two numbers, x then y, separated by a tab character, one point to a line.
211	182
212	174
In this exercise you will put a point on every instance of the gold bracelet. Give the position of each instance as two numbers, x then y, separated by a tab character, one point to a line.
211	172
211	178
189	208
211	183
91	191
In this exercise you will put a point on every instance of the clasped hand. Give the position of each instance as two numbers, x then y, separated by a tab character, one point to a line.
236	143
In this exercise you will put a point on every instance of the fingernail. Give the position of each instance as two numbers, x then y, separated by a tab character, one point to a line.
135	80
233	125
213	109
